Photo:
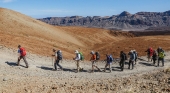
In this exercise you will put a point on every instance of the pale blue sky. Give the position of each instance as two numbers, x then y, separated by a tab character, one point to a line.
62	8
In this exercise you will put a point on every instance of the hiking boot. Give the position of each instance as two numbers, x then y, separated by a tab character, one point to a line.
26	67
81	69
99	70
17	64
61	69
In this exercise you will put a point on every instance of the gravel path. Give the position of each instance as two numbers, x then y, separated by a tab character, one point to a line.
39	77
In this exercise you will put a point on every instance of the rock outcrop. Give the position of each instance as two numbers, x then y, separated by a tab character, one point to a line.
123	21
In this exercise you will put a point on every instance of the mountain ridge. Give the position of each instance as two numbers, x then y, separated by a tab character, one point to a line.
122	21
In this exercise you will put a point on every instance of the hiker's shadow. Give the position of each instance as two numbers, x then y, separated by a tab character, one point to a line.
44	68
70	70
146	64
116	69
141	59
12	64
50	68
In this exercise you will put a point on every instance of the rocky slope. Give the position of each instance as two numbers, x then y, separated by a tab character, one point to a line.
123	21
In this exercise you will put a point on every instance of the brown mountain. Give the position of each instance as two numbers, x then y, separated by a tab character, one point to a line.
40	38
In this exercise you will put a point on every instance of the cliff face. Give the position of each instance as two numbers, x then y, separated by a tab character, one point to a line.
123	21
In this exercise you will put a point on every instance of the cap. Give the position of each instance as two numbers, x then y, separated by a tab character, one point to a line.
76	51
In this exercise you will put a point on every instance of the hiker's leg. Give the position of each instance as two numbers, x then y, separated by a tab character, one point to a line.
162	61
129	64
55	64
105	67
132	64
59	64
120	63
158	61
110	67
154	61
98	68
78	66
26	63
135	60
92	66
19	58
123	62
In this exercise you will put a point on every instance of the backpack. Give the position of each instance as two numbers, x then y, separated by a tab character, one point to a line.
97	55
132	56
150	51
161	54
22	51
59	55
81	56
125	56
111	58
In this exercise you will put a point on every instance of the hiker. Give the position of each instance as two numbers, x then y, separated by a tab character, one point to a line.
58	57
161	56
154	57
136	56
159	50
122	60
109	60
149	53
22	55
94	60
77	58
131	60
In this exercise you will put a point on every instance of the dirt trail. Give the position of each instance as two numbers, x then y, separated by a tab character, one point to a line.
40	78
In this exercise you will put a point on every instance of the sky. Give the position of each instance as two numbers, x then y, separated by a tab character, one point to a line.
63	8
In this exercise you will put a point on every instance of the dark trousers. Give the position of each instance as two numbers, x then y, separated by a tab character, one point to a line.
57	64
131	62
122	62
135	60
154	61
24	58
161	59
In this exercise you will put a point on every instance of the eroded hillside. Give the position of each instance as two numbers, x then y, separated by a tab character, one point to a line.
40	38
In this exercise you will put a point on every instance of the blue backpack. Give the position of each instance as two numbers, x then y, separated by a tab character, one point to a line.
111	58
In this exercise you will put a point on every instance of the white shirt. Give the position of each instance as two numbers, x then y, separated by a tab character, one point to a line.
77	56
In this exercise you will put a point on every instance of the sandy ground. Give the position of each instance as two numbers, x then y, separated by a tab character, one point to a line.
39	77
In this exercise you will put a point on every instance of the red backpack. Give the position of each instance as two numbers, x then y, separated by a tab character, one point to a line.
22	51
151	51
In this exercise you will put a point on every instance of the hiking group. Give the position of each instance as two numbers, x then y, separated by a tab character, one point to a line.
152	55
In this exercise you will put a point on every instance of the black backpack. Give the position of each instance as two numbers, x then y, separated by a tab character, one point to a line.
97	55
125	56
59	55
